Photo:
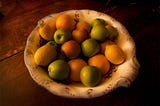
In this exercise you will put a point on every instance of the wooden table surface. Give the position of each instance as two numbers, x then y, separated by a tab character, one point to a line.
19	17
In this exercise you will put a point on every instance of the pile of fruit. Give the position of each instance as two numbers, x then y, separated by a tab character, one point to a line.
78	51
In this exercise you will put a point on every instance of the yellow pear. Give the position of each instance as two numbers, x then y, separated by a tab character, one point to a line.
45	54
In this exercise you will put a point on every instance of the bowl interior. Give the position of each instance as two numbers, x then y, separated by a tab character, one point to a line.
121	75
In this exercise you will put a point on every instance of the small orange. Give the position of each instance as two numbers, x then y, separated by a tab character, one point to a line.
80	35
101	62
83	25
71	49
75	67
65	21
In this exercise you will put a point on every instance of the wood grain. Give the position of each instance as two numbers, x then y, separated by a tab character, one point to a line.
17	87
21	17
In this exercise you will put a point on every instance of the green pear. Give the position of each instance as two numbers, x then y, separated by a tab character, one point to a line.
90	76
113	33
98	21
90	47
99	32
59	70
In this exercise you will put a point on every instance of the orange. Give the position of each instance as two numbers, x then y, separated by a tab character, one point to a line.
81	32
103	45
101	62
83	25
52	24
65	21
75	67
71	49
80	35
114	54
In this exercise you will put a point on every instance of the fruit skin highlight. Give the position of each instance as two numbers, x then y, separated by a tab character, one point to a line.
59	70
90	76
45	54
90	47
